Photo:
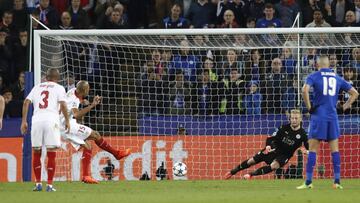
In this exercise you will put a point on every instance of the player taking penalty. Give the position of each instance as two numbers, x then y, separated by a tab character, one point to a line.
324	123
45	131
80	135
280	147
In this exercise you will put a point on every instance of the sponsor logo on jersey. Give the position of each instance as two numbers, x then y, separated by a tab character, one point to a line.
298	136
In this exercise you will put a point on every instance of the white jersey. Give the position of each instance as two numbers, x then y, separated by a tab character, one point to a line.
72	102
45	98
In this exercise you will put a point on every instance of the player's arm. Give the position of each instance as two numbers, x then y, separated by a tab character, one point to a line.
78	114
306	97
272	140
354	94
25	110
64	111
2	108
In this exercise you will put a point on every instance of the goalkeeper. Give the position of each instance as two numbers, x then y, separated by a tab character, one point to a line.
280	147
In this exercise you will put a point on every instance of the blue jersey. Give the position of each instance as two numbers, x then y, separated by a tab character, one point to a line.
326	87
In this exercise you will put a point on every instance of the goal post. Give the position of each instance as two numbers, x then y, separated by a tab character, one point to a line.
205	97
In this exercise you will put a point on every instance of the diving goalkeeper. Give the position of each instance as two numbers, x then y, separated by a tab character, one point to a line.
280	147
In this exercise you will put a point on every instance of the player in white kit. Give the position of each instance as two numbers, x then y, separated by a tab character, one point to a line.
46	98
80	135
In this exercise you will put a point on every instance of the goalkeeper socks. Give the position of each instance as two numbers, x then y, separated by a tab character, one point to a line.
85	160
336	165
310	167
242	166
261	171
37	165
51	166
105	146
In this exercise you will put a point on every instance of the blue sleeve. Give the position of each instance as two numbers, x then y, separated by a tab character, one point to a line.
310	80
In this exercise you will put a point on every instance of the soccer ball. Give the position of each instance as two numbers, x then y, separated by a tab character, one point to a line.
179	169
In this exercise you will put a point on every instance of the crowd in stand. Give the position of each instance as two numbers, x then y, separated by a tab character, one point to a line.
238	81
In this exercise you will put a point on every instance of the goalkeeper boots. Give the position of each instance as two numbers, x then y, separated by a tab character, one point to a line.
337	186
228	175
38	187
89	180
50	188
122	153
304	186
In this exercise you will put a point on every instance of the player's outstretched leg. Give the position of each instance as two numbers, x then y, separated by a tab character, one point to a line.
244	165
37	169
51	165
101	142
85	161
260	171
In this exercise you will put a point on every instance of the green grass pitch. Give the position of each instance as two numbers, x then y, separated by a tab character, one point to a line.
264	191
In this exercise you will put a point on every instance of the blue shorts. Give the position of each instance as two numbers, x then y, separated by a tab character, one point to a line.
324	130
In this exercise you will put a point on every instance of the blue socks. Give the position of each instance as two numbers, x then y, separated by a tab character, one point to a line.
310	167
336	166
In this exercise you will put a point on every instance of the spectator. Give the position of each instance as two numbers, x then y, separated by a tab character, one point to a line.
350	19
289	63
290	97
205	92
337	10
18	88
318	20
250	23
239	9
12	107
159	68
350	76
175	20
47	14
209	67
186	62
357	10
274	86
179	95
6	54
334	64
2	85
287	11
309	63
308	7
7	24
115	21
87	5
269	19
31	5
229	20
65	20
201	53
255	68
79	17
35	25
233	88
201	14
138	13
60	5
20	13
355	63
166	57
230	63
20	59
253	98
150	89
253	8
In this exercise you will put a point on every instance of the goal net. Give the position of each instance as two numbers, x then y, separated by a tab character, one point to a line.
208	98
